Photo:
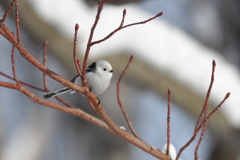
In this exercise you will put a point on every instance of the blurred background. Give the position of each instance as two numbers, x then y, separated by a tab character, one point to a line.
175	50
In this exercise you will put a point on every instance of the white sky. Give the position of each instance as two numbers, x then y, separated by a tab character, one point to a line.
158	43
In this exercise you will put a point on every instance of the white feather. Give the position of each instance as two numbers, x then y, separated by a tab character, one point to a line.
98	75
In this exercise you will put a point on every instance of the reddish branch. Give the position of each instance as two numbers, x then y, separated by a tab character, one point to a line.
26	84
44	63
64	102
168	121
45	78
40	66
108	124
99	108
39	89
74	111
17	21
210	114
7	11
201	125
205	107
91	105
206	118
111	126
2	33
90	43
100	7
13	67
76	61
77	112
122	27
119	100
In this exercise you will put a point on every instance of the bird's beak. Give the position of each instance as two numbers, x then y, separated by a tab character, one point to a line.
111	71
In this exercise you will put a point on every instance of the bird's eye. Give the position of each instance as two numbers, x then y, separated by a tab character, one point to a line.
104	69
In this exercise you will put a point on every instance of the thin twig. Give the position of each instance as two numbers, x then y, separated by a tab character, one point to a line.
111	126
79	65
7	12
215	109
25	54
122	27
76	61
168	121
3	33
45	64
13	66
100	7
78	112
119	100
45	78
201	125
26	84
64	102
205	107
113	32
204	110
92	106
125	135
101	112
143	22
123	18
17	21
74	111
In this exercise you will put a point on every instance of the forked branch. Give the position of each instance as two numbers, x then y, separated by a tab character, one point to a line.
106	122
206	118
111	126
205	107
122	27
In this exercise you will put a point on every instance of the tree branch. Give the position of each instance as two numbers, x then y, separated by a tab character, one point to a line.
45	64
13	66
100	7
107	122
122	27
206	118
168	121
76	61
74	111
205	107
120	103
26	84
17	21
7	11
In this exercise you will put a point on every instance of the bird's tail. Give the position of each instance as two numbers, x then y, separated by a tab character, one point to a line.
56	92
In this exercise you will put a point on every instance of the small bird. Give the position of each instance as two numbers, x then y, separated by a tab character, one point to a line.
98	75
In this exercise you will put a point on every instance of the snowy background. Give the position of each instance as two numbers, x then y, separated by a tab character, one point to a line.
167	44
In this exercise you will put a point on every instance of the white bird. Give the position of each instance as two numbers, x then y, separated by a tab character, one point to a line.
98	75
